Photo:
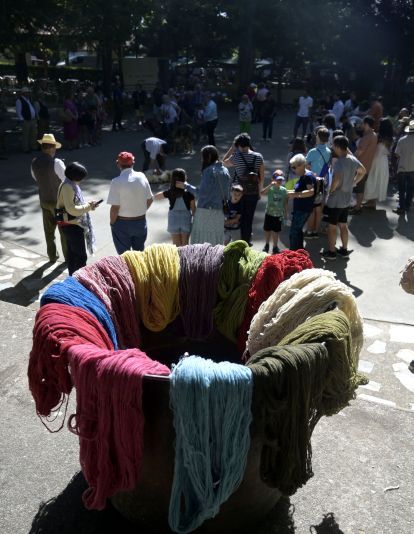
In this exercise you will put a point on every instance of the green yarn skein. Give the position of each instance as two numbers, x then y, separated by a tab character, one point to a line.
239	267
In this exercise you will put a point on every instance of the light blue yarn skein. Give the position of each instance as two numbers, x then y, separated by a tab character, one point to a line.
211	403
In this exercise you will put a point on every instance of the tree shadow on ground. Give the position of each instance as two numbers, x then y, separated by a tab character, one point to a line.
27	290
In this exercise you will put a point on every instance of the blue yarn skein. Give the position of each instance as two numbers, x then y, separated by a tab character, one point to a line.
211	403
73	293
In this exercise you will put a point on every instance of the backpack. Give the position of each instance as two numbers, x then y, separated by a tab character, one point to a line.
326	164
250	180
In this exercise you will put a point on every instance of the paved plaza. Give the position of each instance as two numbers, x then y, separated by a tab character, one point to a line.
362	459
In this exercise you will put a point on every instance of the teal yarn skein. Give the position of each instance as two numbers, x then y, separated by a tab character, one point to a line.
211	404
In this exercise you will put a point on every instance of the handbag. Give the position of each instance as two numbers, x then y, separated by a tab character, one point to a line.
61	215
225	201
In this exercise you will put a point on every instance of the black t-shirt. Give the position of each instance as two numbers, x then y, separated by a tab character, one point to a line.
304	204
172	196
234	210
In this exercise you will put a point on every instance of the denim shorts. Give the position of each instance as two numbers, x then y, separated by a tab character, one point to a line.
179	222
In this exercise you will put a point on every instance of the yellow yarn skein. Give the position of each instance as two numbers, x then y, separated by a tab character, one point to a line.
156	273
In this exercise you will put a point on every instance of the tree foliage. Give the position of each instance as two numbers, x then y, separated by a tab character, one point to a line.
361	37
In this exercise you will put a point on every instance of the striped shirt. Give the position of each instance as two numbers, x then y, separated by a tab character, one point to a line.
239	160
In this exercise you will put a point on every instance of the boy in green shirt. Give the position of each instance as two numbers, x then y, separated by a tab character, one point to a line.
276	210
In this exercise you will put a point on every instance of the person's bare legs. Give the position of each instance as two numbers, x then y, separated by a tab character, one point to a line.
331	237
184	239
317	213
311	225
275	238
176	239
359	200
343	230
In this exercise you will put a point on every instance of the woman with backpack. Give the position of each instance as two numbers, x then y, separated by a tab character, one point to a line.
249	173
318	161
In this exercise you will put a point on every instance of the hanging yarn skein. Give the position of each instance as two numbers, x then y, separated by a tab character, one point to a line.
332	328
110	280
109	417
317	296
72	292
211	404
239	266
155	273
57	326
273	271
287	403
199	274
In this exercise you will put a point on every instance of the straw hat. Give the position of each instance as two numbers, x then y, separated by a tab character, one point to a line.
49	139
409	128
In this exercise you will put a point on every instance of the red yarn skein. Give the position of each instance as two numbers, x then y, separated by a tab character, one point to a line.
274	270
109	417
58	326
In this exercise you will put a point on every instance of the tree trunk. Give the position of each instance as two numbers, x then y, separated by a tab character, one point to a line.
107	69
20	66
246	47
120	54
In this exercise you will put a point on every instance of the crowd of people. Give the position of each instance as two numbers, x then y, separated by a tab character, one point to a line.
340	166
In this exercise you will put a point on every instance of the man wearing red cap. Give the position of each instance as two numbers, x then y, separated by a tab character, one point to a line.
130	196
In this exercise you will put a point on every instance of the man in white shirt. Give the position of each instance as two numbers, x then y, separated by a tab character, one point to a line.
338	110
130	196
26	114
302	117
155	151
49	173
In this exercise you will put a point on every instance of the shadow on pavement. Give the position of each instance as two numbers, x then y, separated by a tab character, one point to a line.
27	290
370	225
328	526
405	225
66	514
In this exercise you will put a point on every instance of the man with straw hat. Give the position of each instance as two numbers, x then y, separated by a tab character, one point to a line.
404	151
49	173
26	113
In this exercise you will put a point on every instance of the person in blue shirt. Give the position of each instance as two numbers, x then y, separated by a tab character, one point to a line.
208	224
318	161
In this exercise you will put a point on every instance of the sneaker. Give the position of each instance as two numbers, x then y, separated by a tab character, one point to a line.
307	235
411	366
328	255
343	252
275	250
266	248
399	211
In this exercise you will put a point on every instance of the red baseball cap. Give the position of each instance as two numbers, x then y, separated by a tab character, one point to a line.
126	158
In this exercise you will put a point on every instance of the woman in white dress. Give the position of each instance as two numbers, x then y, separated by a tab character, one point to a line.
377	183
